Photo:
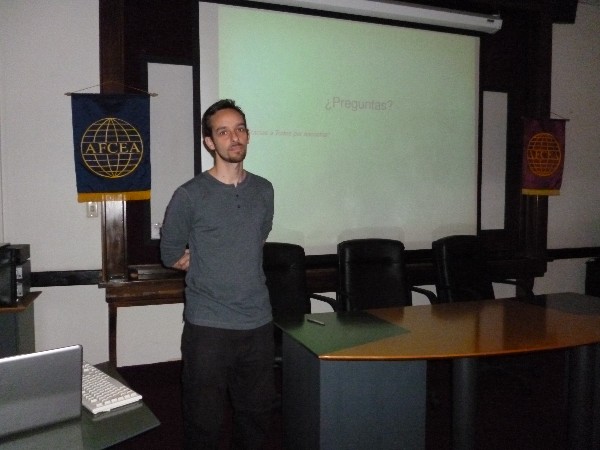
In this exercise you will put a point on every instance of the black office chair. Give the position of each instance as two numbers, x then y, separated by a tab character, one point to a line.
284	267
463	274
372	274
462	271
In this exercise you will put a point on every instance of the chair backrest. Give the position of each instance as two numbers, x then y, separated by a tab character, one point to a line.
284	266
372	274
461	269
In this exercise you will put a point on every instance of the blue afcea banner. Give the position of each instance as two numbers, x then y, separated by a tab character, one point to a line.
111	135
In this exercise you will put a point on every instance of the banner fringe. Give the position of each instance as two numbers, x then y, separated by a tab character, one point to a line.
540	192
112	196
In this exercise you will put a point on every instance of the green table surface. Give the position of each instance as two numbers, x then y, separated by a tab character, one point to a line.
90	431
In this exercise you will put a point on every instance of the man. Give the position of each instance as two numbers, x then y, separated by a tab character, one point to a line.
215	227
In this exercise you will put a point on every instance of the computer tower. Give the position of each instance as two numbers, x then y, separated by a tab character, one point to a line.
15	273
7	276
22	270
20	252
22	279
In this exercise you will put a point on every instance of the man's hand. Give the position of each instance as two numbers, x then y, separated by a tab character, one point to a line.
184	262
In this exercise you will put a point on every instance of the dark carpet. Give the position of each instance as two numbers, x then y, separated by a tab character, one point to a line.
522	407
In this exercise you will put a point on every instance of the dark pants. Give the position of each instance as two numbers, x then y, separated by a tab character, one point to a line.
218	363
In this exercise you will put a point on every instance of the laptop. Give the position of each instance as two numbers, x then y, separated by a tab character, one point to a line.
39	389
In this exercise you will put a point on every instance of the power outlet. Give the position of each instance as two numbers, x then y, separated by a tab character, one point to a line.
155	231
92	209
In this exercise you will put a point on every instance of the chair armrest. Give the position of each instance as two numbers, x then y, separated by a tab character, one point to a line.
427	293
330	301
529	295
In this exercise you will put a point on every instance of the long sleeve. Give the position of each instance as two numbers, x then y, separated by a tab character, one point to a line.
176	228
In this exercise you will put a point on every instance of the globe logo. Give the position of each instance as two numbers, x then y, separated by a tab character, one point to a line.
111	148
543	154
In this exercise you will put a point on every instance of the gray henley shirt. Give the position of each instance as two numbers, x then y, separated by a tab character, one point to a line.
224	227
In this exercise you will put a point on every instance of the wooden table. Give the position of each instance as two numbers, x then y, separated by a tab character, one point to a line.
138	293
355	355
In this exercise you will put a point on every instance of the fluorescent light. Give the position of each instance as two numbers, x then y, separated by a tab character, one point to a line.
402	12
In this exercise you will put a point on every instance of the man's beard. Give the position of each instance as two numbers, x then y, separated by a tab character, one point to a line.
234	157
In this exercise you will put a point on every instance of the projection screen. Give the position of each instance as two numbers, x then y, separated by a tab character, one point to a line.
365	130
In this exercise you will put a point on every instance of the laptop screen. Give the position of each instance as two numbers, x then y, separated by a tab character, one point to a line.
41	388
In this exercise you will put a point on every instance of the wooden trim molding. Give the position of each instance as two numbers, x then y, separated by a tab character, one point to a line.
112	80
573	253
65	278
323	272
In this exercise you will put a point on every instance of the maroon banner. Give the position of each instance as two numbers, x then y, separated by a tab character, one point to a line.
543	156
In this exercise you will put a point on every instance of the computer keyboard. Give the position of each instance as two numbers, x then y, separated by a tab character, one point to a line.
100	392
